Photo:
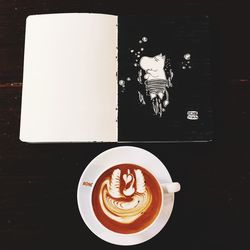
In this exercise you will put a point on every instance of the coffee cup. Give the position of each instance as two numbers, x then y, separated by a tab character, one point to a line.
126	195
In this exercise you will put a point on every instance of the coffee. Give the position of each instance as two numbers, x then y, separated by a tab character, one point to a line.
126	198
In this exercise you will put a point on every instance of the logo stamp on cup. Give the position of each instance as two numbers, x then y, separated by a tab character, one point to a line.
192	115
87	184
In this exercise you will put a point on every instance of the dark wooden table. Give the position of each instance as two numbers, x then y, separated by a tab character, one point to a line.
38	182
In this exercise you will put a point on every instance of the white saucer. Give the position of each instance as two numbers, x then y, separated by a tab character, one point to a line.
110	158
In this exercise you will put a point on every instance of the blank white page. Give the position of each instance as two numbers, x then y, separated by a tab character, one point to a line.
69	82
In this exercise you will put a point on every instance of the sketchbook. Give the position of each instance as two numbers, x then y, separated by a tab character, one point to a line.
104	78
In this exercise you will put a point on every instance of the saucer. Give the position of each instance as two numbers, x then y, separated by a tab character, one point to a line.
106	160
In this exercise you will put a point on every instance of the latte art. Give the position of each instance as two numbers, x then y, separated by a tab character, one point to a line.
126	198
128	204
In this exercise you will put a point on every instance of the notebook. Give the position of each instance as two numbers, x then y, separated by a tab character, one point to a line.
104	78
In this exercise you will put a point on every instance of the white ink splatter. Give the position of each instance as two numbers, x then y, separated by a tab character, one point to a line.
139	78
142	49
131	50
187	56
128	79
122	83
141	98
144	39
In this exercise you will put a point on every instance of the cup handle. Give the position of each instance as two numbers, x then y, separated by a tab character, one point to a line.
171	187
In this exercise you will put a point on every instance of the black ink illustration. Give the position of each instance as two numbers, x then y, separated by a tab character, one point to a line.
156	82
155	74
164	71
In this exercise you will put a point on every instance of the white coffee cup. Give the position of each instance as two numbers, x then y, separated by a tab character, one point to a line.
113	157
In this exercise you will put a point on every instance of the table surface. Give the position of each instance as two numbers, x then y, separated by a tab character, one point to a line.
38	182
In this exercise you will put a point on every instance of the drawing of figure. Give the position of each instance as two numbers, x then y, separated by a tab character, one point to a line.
156	82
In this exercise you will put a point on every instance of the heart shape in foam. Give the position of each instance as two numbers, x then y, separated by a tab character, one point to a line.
127	178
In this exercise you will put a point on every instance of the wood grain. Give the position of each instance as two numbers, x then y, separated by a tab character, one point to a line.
38	182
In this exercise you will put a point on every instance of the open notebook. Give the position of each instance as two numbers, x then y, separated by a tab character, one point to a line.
95	77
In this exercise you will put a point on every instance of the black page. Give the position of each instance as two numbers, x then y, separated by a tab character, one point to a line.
185	42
